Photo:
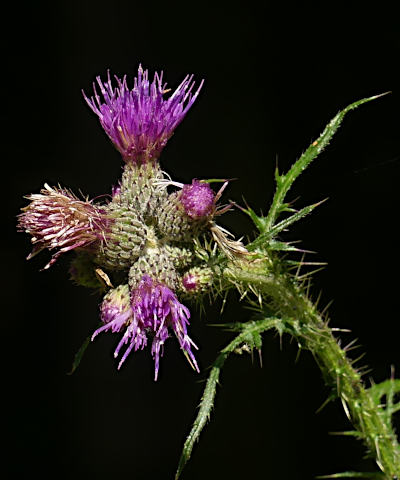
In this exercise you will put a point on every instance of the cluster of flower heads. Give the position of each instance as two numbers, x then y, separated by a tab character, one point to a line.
144	238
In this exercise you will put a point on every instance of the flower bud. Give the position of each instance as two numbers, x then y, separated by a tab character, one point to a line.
197	281
139	189
185	214
198	200
115	310
125	240
156	263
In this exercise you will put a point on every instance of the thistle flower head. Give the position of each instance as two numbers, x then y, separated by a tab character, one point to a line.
197	199
57	219
153	309
140	121
115	310
197	280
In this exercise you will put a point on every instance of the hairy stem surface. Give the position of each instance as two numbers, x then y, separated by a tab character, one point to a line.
366	414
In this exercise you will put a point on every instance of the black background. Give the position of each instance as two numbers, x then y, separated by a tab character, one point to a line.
272	81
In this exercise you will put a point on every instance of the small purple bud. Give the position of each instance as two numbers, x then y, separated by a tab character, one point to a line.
198	199
190	282
197	280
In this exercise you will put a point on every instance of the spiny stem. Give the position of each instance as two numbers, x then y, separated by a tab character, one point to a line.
367	416
283	297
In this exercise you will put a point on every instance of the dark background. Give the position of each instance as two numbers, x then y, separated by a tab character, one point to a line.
272	81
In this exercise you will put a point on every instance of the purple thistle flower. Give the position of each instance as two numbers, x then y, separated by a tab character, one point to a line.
57	219
154	309
140	121
198	199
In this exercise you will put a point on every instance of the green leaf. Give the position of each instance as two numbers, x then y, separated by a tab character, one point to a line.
259	222
257	339
231	327
79	354
282	246
284	182
206	404
264	238
253	329
370	475
293	218
266	225
387	387
349	433
215	180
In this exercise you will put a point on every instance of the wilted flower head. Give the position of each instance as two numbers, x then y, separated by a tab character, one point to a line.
57	219
154	309
140	121
198	199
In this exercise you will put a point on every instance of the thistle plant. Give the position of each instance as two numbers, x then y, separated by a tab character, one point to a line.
155	251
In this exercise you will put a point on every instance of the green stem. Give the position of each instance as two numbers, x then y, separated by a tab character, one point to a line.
313	333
